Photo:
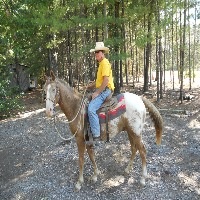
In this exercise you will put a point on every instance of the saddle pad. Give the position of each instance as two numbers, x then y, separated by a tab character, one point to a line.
115	112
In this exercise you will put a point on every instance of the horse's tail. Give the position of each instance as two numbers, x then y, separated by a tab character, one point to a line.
156	117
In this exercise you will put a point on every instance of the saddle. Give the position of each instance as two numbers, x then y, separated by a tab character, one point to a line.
109	104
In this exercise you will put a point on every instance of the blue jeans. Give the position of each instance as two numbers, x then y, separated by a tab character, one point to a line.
93	106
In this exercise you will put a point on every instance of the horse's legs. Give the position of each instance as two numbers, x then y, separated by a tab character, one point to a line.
137	144
142	152
81	151
90	152
133	150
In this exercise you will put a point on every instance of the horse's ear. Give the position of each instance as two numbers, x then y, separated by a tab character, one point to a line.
52	75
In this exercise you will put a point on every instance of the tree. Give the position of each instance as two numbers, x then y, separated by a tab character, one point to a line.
59	34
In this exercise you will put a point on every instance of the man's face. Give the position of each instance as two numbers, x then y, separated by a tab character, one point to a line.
99	55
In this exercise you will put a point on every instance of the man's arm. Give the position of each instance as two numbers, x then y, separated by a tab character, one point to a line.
102	87
91	85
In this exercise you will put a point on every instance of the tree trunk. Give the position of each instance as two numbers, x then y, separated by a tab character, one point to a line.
105	16
158	40
148	49
116	49
189	46
182	51
172	39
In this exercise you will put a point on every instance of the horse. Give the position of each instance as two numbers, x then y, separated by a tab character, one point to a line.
132	121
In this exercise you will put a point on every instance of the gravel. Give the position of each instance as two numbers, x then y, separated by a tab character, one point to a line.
37	164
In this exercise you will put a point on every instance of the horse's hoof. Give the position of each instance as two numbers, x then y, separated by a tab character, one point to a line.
142	181
94	179
127	170
77	187
98	172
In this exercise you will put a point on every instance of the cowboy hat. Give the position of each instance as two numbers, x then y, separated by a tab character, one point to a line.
100	47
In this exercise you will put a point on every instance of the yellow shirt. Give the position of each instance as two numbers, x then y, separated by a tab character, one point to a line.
104	70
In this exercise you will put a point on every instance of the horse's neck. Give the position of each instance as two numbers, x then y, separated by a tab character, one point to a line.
69	103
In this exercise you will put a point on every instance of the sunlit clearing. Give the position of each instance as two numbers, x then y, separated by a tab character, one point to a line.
28	114
191	182
194	123
25	115
113	182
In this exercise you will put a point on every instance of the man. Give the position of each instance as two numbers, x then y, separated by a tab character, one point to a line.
104	86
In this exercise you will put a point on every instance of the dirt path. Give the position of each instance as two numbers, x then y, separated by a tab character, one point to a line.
36	164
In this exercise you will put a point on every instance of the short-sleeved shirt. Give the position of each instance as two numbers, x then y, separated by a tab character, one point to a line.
105	70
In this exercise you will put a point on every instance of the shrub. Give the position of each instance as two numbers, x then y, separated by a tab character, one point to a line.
9	96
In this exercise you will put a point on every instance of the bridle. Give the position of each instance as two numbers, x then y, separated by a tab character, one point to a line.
56	95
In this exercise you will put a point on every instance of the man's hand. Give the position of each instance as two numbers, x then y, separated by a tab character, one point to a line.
94	95
91	85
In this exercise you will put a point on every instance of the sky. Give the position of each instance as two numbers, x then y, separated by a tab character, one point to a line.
192	12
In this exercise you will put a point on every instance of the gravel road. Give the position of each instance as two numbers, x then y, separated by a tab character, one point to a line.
37	164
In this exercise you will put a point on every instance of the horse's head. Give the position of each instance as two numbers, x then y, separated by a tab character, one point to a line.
52	94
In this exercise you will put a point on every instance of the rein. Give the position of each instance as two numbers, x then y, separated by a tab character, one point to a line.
74	135
66	139
82	101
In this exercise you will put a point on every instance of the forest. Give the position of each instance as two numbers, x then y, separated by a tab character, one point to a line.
144	37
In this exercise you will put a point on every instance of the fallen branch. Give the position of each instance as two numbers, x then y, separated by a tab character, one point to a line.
185	112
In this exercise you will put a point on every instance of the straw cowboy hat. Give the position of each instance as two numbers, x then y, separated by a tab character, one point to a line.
100	47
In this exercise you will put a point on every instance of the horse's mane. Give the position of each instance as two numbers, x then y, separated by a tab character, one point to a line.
63	82
66	87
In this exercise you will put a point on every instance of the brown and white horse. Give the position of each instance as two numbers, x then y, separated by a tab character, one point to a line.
132	121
